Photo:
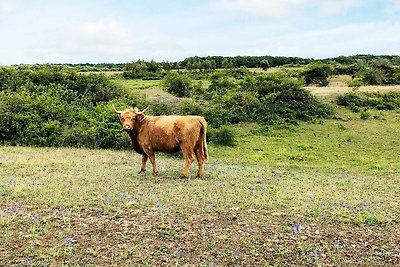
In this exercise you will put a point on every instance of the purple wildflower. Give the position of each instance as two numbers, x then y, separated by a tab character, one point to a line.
178	252
69	240
298	227
28	261
294	231
36	218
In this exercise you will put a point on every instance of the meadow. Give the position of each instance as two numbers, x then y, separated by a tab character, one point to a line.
323	193
305	179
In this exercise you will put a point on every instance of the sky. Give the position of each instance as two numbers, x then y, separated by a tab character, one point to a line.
120	31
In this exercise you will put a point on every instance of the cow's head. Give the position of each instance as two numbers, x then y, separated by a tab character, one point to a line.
130	117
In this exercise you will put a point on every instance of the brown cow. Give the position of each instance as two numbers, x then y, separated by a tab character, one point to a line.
166	134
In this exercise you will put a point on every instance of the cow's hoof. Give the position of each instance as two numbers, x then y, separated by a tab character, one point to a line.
142	171
155	173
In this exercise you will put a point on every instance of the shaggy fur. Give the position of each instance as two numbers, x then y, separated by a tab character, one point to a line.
167	134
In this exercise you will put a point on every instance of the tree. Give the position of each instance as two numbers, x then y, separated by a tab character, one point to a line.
317	73
227	64
177	84
264	64
153	66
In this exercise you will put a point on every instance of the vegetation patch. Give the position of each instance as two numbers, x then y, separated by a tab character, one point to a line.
380	101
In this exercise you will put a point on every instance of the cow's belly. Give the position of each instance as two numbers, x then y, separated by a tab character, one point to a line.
167	149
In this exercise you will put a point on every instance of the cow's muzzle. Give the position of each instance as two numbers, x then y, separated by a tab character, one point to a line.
127	128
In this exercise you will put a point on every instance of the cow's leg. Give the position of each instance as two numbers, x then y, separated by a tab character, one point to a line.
200	161
152	158
144	160
188	155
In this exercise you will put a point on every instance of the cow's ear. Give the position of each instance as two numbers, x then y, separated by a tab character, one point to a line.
140	116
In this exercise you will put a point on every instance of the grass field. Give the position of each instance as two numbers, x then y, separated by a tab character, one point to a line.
320	194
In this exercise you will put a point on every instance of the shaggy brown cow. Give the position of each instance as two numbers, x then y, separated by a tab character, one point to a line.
166	134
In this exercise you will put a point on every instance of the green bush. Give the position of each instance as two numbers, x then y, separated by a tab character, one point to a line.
317	73
189	107
381	101
178	84
265	98
49	106
365	115
222	136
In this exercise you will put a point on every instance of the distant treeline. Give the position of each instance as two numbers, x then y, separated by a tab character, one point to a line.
218	62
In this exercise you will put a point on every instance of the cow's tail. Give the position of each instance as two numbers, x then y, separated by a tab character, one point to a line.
203	137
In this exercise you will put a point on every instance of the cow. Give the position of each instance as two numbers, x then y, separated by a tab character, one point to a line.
167	134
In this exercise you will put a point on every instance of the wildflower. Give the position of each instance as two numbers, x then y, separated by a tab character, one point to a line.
28	261
121	196
36	218
296	229
178	252
69	240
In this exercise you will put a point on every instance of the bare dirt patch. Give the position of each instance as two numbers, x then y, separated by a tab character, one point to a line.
338	86
138	237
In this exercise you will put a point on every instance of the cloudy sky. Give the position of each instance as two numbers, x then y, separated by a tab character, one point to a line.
119	31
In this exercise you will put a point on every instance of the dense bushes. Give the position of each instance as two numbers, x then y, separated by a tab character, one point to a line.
177	84
317	73
263	98
54	107
221	136
381	101
146	70
378	71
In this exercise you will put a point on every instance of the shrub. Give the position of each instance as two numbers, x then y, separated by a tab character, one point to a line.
189	107
51	107
365	115
317	73
266	98
381	101
177	84
373	77
223	136
355	84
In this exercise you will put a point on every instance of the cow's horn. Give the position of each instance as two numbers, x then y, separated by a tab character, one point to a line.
115	110
145	109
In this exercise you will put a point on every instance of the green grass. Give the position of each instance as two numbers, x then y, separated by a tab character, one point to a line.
344	144
132	84
338	178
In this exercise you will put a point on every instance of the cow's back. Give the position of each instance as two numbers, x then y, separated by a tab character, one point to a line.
166	133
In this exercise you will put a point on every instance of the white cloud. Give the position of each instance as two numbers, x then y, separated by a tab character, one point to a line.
332	7
103	38
280	9
268	9
368	38
393	6
6	6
